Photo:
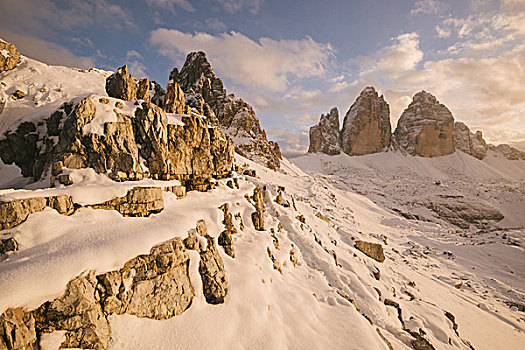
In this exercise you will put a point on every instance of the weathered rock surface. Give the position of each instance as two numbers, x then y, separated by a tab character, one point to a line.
143	90
205	92
174	101
193	152
139	201
508	152
79	313
324	137
469	142
463	213
373	250
366	127
155	286
258	214
8	245
225	238
17	330
122	84
9	56
15	212
211	269
425	127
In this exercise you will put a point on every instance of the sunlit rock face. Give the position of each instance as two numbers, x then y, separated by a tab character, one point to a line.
366	127
205	92
425	127
324	136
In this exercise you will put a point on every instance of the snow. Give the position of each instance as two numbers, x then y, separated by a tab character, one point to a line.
47	87
4	53
107	113
175	119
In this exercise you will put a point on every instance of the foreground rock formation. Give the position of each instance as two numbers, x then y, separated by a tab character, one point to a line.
9	56
156	286
324	137
366	127
425	127
205	92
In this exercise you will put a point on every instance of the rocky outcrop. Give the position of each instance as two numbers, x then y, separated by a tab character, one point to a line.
258	214
508	152
468	142
9	56
122	84
15	212
143	90
174	101
324	137
155	285
366	127
373	250
139	201
8	245
425	127
17	330
225	238
205	92
79	313
211	269
464	213
192	152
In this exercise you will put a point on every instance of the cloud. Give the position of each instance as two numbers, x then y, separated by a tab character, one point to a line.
232	6
215	25
426	7
170	4
442	33
46	51
266	63
136	65
394	60
292	143
46	16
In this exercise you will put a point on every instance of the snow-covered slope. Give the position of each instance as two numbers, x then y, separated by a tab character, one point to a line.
46	88
429	270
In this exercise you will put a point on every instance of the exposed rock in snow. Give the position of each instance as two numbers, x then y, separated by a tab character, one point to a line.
9	56
425	127
122	85
174	101
469	142
324	137
140	201
8	245
17	330
211	269
463	213
15	212
205	92
225	238
258	214
366	127
373	250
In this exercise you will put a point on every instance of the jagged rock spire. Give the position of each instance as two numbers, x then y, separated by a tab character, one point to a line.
324	137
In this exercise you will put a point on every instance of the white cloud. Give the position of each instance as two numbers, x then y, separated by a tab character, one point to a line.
136	65
265	63
171	4
394	60
46	51
233	6
426	7
442	33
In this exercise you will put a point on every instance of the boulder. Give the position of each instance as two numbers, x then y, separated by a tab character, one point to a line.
366	127
211	269
468	142
205	92
425	127
79	313
9	56
258	214
122	85
139	201
324	137
225	238
373	250
17	330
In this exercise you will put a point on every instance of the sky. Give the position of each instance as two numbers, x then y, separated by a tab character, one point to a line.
293	60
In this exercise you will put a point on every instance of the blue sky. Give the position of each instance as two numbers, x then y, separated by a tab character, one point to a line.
293	60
